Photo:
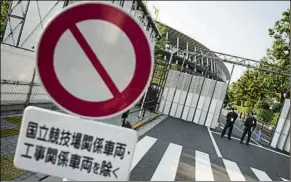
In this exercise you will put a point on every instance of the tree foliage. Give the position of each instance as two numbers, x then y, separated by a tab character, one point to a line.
4	12
254	85
158	55
160	44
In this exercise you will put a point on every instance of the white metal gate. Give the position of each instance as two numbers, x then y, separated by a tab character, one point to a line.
193	98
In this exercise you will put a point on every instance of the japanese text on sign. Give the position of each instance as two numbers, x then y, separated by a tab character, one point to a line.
61	145
79	141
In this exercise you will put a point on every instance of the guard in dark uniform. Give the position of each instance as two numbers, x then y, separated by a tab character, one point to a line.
250	124
230	120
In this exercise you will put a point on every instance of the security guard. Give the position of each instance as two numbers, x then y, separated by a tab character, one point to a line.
250	124
230	120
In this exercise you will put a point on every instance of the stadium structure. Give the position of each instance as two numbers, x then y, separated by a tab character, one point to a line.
192	82
21	86
195	91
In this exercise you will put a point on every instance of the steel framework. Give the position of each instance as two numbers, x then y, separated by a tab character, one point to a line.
216	56
16	19
236	60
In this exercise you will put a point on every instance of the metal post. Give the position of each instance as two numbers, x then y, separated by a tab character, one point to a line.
162	74
200	92
143	100
30	89
211	100
226	89
177	42
6	22
23	22
144	111
66	3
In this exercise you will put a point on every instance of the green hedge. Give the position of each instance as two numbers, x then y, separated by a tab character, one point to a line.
275	118
243	109
262	114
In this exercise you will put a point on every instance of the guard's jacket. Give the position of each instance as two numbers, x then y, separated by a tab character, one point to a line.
250	122
231	117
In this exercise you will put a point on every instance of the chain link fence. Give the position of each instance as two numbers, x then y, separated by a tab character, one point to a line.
20	85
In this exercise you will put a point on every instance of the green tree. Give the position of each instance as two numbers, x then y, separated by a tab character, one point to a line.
160	44
255	85
279	56
264	115
158	55
248	89
4	12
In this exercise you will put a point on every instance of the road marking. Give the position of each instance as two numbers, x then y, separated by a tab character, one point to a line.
251	138
242	132
203	170
214	143
221	124
167	168
242	124
285	179
246	136
141	148
232	137
265	140
233	171
261	175
256	145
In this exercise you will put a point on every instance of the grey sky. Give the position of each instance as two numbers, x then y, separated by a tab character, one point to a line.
234	27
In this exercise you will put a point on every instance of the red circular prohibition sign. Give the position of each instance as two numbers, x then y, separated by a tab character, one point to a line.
68	19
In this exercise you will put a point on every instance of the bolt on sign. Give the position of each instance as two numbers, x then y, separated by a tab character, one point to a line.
65	146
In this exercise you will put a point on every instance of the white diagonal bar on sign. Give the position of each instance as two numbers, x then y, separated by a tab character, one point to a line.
94	60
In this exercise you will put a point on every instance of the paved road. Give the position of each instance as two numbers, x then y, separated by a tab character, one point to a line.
238	129
176	150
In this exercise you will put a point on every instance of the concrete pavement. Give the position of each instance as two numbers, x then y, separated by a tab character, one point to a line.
237	161
185	151
238	130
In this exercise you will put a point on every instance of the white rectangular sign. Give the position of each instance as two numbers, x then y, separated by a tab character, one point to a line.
65	146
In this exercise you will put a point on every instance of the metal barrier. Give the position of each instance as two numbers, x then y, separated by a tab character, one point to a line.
16	92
